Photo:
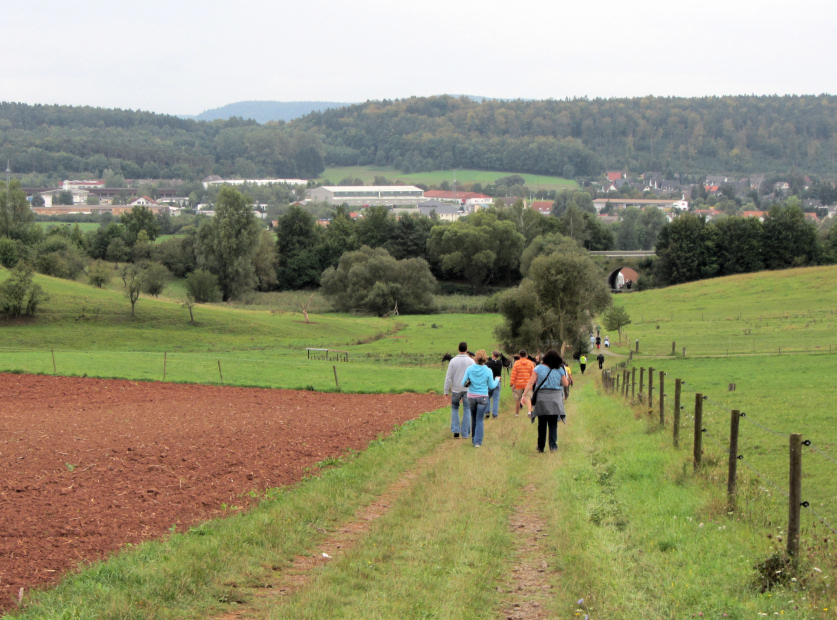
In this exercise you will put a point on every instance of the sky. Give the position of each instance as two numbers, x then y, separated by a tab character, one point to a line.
184	56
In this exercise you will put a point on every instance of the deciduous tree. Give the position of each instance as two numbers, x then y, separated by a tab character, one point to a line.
370	280
226	243
555	304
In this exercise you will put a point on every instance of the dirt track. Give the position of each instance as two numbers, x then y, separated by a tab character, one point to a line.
93	464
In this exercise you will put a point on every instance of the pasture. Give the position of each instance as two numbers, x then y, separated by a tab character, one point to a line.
617	524
367	174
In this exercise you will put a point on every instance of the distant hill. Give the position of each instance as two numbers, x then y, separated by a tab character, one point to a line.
265	111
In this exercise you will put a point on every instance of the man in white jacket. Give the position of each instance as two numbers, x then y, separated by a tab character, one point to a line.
454	387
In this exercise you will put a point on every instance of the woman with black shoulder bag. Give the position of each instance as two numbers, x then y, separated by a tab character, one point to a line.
547	384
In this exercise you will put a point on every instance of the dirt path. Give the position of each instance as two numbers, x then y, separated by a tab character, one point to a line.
529	588
92	464
341	541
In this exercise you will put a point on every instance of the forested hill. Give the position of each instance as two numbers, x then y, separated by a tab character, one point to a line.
573	138
65	142
581	137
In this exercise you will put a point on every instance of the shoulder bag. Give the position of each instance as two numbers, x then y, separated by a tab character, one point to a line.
535	393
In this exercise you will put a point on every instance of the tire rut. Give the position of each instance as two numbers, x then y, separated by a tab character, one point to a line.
301	571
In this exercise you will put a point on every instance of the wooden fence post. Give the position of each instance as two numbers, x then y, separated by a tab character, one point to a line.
220	374
698	447
795	495
633	382
165	358
641	379
650	386
676	430
627	383
673	347
734	420
336	382
662	399
54	368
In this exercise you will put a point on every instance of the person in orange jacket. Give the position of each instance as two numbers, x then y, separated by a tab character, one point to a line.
520	373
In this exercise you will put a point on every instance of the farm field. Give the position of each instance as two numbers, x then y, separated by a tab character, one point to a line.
418	525
95	465
485	177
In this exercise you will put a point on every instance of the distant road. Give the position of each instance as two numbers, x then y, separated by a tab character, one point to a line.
625	253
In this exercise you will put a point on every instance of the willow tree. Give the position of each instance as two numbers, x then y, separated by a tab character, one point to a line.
554	306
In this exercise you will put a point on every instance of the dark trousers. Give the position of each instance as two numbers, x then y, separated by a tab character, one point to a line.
583	366
547	423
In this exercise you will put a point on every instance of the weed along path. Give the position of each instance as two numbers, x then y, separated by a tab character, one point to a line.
91	465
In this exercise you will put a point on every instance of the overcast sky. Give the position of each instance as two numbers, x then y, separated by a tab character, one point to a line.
188	56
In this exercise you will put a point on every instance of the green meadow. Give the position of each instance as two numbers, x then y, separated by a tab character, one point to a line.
769	312
462	177
626	527
86	331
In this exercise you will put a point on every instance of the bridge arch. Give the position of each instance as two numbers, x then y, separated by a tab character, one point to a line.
627	281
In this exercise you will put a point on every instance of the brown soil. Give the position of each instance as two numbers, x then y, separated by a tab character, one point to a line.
93	464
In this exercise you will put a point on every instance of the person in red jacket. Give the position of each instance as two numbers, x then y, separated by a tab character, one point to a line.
520	373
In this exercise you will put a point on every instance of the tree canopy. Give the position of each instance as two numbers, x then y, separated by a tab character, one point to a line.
227	242
370	280
555	303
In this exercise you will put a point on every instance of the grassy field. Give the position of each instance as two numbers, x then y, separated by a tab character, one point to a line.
463	177
86	331
624	527
795	310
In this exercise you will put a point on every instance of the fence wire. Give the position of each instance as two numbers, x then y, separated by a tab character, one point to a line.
713	407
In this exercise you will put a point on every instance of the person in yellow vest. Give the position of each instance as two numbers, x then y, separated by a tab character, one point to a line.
582	362
569	372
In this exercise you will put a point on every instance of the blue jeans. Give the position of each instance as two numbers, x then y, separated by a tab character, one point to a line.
478	406
494	398
455	399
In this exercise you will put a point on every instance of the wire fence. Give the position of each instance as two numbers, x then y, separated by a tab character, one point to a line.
759	452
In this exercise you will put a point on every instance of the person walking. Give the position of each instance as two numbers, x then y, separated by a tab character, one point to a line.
496	366
521	371
480	381
582	362
453	386
598	342
600	359
547	383
607	342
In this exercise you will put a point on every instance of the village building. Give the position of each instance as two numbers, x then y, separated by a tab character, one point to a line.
366	195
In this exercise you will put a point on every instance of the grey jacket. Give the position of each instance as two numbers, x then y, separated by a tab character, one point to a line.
456	370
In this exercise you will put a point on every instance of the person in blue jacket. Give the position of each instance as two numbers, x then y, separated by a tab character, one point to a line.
480	381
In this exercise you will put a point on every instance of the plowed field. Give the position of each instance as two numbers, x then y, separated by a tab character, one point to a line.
91	464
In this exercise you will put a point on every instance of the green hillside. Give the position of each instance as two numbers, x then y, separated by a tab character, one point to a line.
795	310
88	331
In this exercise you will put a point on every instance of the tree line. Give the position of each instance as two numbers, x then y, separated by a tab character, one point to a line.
581	137
576	138
58	142
690	248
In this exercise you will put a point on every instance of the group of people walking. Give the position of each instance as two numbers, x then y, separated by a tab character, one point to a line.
474	381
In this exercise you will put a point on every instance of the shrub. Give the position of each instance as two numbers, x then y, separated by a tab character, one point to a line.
19	295
202	286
